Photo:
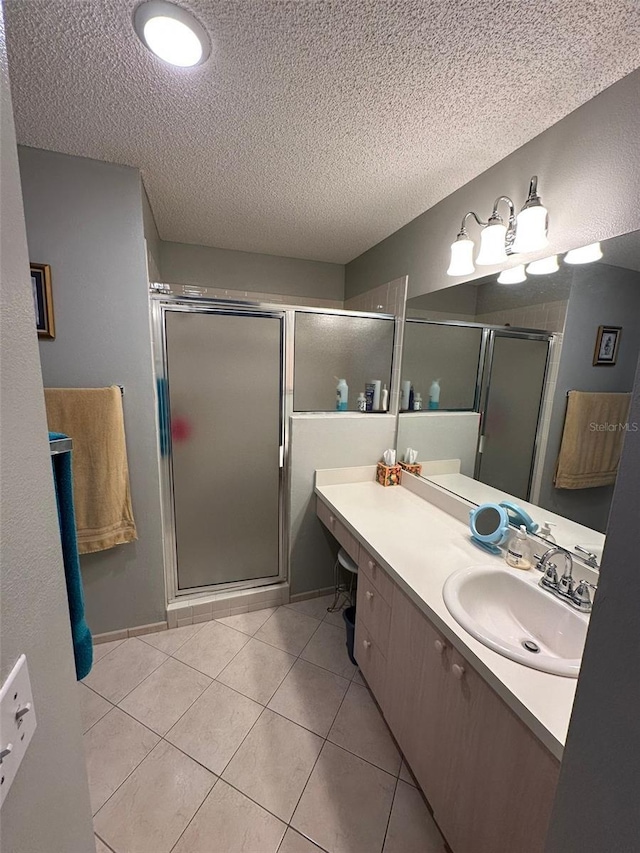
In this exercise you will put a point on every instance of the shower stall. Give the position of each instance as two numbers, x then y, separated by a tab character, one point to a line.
225	388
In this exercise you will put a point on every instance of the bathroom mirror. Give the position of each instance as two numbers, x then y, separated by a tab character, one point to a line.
535	343
351	346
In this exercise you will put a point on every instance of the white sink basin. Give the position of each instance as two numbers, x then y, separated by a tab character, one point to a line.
505	608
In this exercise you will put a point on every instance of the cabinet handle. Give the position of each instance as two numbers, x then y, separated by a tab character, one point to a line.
366	644
372	565
439	646
458	671
369	594
332	520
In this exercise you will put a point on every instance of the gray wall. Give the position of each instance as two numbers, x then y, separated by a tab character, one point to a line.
47	809
589	180
183	263
596	807
600	295
330	441
84	218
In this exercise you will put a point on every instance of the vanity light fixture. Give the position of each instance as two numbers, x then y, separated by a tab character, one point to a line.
532	222
544	266
462	250
513	276
584	255
526	232
171	33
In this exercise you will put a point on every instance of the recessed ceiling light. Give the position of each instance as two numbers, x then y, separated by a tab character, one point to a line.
172	33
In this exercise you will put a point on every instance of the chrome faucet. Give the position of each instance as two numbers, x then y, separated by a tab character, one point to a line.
563	587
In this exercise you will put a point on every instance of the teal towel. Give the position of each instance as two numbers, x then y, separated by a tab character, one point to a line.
80	633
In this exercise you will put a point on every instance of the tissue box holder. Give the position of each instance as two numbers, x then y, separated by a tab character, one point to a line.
388	475
411	468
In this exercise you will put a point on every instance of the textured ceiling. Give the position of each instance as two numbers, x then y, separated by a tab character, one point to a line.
316	128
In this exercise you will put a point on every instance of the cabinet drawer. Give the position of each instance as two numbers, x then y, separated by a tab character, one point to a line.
348	542
370	660
376	575
374	611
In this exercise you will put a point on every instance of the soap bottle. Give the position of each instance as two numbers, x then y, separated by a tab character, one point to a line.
417	402
384	399
545	532
342	395
411	399
519	551
362	402
434	394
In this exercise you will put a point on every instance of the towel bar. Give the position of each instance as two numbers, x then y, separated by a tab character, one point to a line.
60	445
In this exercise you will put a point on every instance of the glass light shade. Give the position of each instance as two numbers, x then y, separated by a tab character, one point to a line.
584	255
461	257
544	266
171	33
531	230
173	41
492	245
513	276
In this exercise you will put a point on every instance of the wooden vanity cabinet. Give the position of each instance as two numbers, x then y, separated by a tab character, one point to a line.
488	779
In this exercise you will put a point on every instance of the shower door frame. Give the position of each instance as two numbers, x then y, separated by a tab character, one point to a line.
493	332
160	305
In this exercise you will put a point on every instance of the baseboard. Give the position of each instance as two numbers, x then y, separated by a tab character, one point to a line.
316	593
125	633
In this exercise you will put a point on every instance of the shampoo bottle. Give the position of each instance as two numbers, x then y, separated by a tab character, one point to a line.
384	399
519	552
362	402
417	402
434	394
342	395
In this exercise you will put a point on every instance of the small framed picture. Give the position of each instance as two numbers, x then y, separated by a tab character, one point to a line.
607	342
43	300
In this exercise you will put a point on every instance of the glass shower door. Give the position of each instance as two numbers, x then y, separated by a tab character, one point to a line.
513	390
225	401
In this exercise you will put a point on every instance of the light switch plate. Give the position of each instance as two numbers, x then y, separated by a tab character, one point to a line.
17	723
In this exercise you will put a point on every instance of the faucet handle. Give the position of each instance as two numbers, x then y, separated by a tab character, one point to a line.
590	558
550	578
581	596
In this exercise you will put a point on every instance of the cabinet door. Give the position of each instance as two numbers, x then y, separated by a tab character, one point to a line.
417	673
499	781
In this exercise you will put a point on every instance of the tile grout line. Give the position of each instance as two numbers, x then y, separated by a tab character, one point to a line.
393	800
218	777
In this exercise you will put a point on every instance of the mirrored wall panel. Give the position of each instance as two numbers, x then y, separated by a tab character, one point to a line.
445	355
330	347
557	368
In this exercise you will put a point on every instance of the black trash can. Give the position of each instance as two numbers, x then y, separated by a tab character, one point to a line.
349	616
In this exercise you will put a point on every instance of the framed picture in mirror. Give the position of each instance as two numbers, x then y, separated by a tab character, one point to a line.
607	342
43	300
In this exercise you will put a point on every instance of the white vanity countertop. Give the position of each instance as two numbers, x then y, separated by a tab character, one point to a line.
420	545
568	533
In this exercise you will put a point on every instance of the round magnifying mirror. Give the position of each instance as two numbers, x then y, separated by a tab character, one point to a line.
489	525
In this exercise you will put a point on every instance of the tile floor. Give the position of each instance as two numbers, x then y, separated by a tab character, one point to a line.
249	734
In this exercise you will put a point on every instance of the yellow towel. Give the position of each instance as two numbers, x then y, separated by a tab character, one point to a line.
93	418
591	440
